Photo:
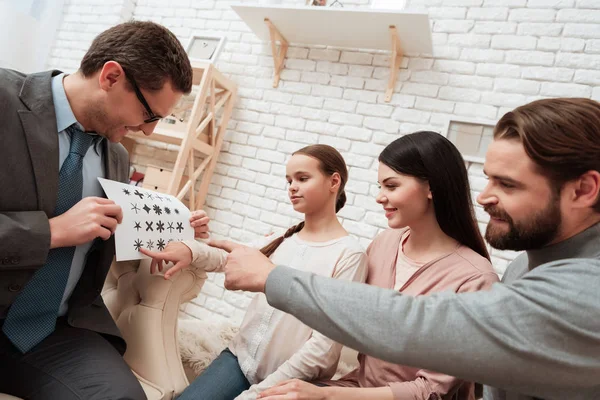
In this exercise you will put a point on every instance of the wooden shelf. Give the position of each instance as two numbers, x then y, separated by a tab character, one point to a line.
397	31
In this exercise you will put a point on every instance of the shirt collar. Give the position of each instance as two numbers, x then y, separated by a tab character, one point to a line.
62	108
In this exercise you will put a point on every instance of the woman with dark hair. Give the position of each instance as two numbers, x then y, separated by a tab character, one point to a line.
273	346
434	245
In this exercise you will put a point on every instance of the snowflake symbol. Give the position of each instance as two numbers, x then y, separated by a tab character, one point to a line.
160	244
134	207
157	209
126	191
160	226
179	226
137	226
149	226
146	208
138	193
167	210
170	227
150	244
137	244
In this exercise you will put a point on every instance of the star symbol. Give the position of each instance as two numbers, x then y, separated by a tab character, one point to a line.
167	210
170	227
179	226
160	226
149	195
158	197
176	211
157	210
160	244
137	226
150	244
126	191
146	208
134	207
137	244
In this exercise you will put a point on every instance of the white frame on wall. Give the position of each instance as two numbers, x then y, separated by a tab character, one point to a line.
472	121
220	43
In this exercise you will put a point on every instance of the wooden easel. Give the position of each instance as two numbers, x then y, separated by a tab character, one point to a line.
202	136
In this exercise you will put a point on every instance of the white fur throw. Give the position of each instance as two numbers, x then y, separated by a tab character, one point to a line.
200	342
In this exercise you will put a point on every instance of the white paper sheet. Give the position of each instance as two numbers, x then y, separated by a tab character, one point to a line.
150	219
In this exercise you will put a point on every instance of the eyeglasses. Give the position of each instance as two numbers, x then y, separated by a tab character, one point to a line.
151	116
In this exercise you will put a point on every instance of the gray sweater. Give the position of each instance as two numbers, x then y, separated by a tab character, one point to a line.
535	336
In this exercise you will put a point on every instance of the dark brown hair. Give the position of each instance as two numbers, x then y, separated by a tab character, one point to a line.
431	157
561	136
330	162
149	53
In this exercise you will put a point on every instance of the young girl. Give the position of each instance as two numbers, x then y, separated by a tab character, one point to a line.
433	245
273	346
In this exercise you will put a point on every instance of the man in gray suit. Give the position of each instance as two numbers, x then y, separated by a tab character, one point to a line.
59	133
537	335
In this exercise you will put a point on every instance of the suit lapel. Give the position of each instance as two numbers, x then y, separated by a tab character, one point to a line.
111	161
39	125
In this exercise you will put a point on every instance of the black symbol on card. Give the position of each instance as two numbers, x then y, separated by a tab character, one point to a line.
170	227
138	193
179	226
157	210
134	207
126	191
160	245
176	211
160	226
146	208
167	210
158	197
137	244
149	226
150	244
137	226
150	196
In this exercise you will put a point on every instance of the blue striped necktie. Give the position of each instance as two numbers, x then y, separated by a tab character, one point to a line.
32	316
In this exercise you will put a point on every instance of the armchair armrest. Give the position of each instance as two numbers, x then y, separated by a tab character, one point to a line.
145	308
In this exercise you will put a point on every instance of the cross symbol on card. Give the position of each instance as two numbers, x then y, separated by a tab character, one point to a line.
149	226
138	193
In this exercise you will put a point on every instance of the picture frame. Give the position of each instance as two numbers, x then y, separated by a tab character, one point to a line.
471	136
205	48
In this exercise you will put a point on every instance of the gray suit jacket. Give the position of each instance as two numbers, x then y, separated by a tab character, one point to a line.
28	191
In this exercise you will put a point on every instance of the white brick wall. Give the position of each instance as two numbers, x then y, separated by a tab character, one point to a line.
489	56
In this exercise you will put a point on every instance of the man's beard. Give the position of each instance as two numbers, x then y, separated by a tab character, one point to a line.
535	232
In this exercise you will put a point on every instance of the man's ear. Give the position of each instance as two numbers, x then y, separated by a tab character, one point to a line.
111	75
585	190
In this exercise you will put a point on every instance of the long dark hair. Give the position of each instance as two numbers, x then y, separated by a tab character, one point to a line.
431	157
330	162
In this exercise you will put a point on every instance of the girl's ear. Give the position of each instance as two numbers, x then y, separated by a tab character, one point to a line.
429	194
336	181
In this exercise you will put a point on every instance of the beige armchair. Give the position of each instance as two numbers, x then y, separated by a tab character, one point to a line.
145	308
